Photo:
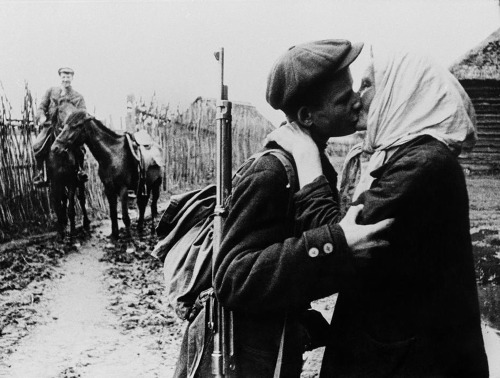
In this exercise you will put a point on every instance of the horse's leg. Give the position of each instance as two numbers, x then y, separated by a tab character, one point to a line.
142	202
64	206
125	216
55	195
81	199
112	200
154	203
71	209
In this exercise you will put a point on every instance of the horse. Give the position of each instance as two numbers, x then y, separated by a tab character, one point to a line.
119	169
63	180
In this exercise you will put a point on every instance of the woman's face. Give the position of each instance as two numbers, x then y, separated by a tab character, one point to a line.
366	94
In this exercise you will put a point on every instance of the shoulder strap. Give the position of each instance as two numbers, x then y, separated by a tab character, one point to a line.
291	174
278	371
293	184
285	159
287	162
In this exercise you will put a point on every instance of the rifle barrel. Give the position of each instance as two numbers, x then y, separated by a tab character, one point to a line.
223	178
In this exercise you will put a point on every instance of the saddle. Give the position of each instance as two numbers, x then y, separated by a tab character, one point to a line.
44	140
146	153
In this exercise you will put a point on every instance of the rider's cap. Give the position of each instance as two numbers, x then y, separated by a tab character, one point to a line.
65	70
305	64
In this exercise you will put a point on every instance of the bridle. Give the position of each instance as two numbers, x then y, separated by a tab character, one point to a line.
78	126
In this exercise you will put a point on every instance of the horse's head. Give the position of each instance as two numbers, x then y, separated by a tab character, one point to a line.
62	113
73	132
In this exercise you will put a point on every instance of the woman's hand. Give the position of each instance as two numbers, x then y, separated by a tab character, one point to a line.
299	143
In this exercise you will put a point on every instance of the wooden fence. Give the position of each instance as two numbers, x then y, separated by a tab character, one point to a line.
188	152
187	141
19	201
22	205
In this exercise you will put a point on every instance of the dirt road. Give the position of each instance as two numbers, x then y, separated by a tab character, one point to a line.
90	325
105	318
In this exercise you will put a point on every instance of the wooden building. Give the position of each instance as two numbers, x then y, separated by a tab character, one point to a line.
479	73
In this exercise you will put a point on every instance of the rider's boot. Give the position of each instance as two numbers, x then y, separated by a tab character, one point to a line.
39	180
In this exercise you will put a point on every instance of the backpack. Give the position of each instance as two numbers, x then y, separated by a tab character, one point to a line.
186	228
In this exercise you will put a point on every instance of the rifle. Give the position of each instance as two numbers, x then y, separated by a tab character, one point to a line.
220	320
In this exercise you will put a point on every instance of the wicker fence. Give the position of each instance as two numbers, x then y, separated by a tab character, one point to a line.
187	141
19	201
22	205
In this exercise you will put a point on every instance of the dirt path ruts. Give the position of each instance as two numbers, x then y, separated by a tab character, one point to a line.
81	337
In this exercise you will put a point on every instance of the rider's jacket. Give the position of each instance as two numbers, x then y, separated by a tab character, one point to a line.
54	97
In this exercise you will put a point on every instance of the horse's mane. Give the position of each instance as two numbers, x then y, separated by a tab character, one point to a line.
80	116
77	116
105	129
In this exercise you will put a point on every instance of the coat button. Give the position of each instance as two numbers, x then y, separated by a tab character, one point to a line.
328	248
313	252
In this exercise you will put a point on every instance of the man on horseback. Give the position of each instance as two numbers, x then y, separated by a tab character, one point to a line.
47	117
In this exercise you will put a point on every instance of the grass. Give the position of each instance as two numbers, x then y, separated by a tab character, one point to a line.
484	201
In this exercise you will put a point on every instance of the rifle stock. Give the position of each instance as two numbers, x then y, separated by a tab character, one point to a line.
223	347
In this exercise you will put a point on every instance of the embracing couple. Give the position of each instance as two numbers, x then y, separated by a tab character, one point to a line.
401	258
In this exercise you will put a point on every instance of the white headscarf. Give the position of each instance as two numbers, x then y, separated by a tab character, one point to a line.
413	97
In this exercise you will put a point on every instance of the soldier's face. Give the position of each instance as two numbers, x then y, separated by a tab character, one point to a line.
338	112
66	79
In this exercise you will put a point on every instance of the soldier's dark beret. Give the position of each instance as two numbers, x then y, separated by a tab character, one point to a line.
305	64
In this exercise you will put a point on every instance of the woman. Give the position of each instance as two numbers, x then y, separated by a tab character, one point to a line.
413	310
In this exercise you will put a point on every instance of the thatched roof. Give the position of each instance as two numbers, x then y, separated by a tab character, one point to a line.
245	117
480	63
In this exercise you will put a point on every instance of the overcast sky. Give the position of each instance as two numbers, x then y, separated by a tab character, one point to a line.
121	47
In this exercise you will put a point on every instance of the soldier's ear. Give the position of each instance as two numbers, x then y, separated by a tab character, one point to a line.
304	117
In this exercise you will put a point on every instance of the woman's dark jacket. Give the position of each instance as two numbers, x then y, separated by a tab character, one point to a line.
269	265
411	310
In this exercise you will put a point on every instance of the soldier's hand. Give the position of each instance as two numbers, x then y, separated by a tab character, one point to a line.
360	237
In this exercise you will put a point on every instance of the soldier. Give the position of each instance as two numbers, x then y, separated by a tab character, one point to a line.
266	273
52	102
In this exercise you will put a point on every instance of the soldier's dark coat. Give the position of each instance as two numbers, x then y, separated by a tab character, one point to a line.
269	265
411	310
